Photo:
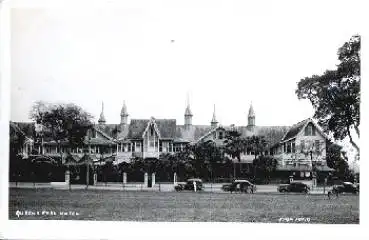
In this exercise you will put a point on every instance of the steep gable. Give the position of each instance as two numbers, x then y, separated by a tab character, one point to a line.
300	126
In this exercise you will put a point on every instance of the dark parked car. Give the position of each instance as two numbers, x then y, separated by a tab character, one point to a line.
345	187
240	186
294	187
189	185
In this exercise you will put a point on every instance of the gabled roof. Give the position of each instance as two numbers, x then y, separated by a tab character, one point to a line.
165	127
212	131
295	129
298	127
106	130
27	129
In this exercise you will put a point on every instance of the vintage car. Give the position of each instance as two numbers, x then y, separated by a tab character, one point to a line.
345	187
294	187
239	186
189	185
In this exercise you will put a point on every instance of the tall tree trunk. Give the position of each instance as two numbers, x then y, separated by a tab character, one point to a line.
352	141
357	130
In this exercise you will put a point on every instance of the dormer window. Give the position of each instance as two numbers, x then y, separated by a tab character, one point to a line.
310	130
220	135
151	131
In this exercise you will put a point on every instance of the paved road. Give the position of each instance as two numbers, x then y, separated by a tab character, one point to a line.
163	187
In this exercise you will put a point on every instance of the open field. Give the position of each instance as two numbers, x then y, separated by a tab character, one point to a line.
181	206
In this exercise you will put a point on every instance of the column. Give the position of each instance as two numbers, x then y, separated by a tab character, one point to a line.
67	177
175	179
153	179
124	178
146	179
95	178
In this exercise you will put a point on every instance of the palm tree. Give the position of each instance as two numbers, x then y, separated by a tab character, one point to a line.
234	146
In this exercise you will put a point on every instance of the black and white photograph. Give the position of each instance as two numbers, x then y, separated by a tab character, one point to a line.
184	112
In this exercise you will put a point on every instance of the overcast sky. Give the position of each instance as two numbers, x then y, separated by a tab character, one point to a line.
228	53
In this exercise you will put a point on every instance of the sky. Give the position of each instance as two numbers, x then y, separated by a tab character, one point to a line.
154	55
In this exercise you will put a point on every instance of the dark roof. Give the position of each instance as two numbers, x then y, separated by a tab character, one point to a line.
295	129
116	131
191	133
136	128
272	134
167	127
26	128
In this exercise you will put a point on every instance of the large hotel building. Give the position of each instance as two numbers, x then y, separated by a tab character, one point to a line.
297	148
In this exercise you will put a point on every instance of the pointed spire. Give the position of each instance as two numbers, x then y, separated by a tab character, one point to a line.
214	121
251	111
188	111
124	112
251	117
102	117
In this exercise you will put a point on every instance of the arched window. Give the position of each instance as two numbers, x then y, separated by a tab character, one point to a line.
152	130
310	130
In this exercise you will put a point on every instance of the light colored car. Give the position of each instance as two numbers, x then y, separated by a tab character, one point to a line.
189	185
239	185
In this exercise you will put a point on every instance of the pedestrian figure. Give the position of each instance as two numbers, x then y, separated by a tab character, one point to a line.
194	186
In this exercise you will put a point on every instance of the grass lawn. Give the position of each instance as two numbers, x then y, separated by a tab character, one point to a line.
180	206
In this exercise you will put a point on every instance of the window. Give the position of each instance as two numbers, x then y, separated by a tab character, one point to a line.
293	147
288	147
129	147
317	146
138	147
151	131
220	135
284	147
160	146
310	130
133	147
302	145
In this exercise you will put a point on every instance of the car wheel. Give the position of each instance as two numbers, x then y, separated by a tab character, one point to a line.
283	191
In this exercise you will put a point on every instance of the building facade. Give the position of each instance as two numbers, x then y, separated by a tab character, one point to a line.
300	149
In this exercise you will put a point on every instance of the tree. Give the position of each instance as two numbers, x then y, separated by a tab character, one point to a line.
234	146
335	95
257	144
206	155
62	123
336	159
264	166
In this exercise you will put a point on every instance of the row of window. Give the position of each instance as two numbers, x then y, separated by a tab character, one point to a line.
218	135
290	147
166	147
